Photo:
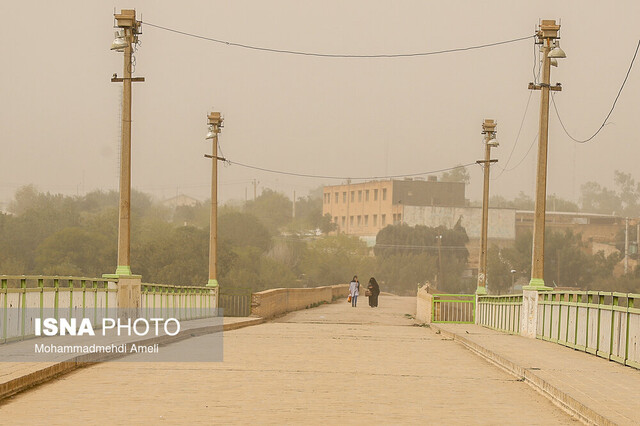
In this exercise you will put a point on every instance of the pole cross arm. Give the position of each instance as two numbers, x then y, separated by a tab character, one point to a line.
121	79
486	161
556	88
216	157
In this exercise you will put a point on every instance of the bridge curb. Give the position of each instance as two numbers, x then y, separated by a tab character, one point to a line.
557	396
61	368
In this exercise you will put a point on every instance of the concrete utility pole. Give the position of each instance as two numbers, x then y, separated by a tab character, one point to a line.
626	245
489	132
126	37
546	36
255	188
439	238
215	124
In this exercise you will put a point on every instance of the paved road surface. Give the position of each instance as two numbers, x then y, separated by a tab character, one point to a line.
329	365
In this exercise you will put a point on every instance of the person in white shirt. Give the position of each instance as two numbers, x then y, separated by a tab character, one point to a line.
354	290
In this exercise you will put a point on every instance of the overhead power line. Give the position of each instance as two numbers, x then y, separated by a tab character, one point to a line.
346	177
335	55
604	122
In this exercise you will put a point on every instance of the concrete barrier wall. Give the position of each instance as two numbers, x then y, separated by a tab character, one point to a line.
340	290
424	304
278	301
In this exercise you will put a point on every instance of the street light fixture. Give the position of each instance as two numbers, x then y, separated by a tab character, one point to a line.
557	52
119	43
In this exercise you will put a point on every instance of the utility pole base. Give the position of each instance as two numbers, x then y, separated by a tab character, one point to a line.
212	283
537	284
481	291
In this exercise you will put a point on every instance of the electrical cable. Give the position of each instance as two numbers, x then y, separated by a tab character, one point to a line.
503	169
525	155
604	122
346	177
332	55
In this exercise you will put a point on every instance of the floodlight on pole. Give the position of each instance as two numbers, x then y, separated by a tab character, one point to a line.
557	52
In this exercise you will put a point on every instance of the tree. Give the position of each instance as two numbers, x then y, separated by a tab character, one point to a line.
75	251
243	229
333	259
598	199
567	262
164	254
273	209
498	272
558	204
459	174
401	248
628	192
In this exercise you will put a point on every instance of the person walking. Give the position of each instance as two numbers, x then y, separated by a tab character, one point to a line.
354	287
374	290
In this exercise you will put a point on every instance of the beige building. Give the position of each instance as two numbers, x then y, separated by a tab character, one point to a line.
365	208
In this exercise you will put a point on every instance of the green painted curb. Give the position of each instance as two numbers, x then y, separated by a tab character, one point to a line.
481	290
212	283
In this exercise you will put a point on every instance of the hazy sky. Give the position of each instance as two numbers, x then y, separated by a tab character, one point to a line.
59	118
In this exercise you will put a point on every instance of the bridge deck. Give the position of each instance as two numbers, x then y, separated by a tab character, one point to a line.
331	364
609	389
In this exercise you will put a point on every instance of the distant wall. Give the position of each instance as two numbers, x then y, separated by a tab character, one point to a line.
502	222
278	301
423	305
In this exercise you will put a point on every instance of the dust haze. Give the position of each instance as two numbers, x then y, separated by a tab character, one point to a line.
60	115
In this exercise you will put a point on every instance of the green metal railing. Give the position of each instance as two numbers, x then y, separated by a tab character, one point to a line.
605	324
500	312
180	302
453	308
23	297
235	301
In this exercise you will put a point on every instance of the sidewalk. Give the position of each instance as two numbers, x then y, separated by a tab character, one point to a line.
597	390
18	376
332	364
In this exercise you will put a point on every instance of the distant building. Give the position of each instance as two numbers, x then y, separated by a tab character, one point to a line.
594	227
365	208
179	201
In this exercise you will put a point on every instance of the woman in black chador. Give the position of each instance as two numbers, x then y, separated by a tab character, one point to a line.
374	289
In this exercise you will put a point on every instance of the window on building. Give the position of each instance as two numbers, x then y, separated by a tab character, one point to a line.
359	220
360	196
375	195
384	194
344	221
400	217
335	220
336	198
366	220
353	196
375	220
351	220
384	219
394	218
344	197
366	195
